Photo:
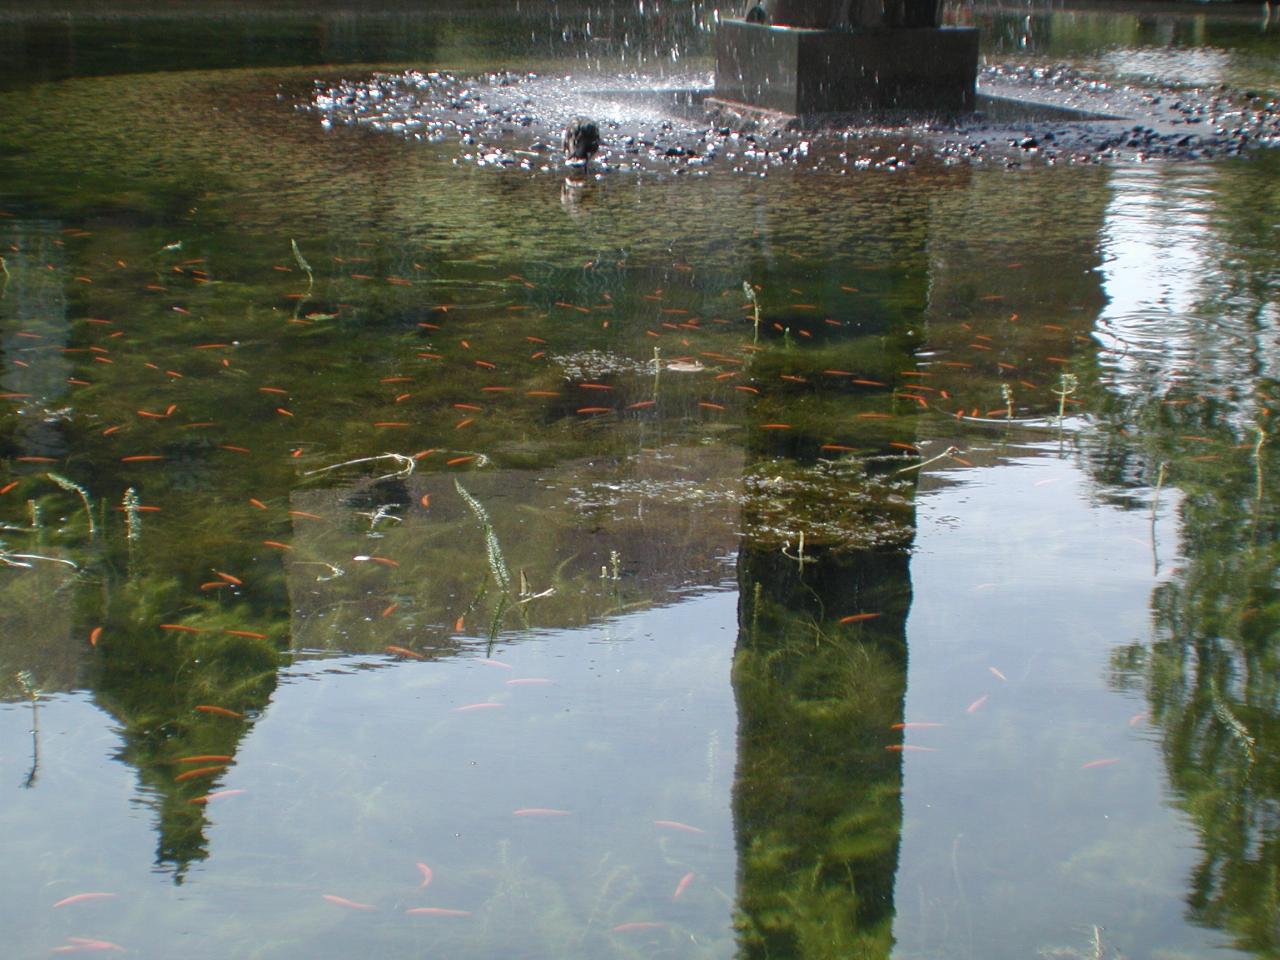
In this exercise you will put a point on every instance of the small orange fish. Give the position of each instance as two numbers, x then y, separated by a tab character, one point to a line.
349	904
84	944
677	825
180	628
277	544
244	633
997	674
219	711
683	885
977	704
637	925
427	875
403	652
254	501
1104	762
217	795
436	912
858	617
540	812
230	578
915	725
83	898
200	772
486	705
94	636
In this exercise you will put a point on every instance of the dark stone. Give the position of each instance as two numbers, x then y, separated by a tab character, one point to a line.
806	72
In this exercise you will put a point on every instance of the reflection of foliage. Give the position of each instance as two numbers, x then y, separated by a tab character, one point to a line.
817	805
1213	673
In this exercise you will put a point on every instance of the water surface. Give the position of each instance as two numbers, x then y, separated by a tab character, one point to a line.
388	534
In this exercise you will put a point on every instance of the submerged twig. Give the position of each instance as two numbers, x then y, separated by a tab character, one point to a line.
945	454
798	556
13	559
335	571
407	464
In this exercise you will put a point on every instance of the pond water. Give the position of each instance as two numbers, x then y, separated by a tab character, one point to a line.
406	556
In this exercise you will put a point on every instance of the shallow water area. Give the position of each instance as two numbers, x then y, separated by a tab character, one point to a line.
806	547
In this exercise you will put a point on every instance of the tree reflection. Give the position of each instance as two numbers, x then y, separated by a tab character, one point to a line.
1210	674
817	805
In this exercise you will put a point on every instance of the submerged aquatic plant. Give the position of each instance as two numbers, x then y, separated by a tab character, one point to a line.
750	294
132	516
1068	383
80	491
1239	732
497	564
1006	392
302	263
27	683
1261	430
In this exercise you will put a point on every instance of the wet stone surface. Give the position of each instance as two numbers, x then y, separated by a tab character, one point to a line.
1028	114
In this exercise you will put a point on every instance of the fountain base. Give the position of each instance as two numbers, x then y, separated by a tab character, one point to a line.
808	73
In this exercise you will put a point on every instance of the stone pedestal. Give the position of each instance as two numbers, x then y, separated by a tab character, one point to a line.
806	72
